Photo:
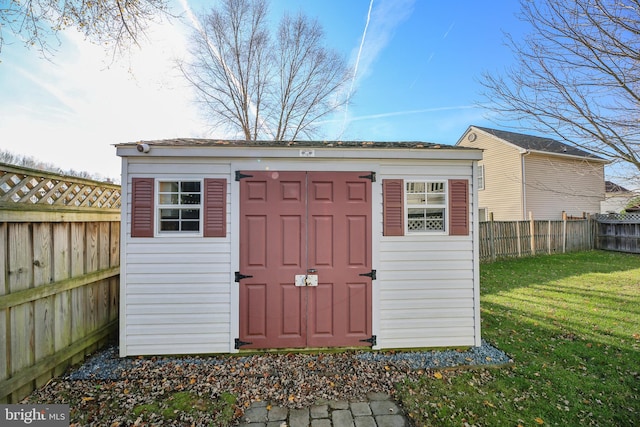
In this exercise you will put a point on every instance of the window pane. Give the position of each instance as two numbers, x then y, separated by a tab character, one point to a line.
436	187
416	213
416	199
169	225
190	187
415	187
190	199
169	213
168	199
191	214
167	187
190	225
434	220
436	199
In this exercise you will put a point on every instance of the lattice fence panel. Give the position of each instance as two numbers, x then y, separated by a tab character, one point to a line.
27	186
626	217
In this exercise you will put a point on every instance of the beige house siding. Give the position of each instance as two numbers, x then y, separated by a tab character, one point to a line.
554	184
502	193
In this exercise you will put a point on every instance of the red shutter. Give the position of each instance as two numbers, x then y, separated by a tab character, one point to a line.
215	207
142	207
458	207
393	207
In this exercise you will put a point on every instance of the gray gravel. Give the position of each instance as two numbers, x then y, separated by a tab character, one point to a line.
107	365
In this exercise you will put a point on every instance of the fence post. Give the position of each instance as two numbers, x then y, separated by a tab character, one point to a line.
564	231
532	232
492	243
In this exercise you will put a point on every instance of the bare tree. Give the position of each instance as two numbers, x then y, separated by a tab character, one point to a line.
113	22
264	86
577	75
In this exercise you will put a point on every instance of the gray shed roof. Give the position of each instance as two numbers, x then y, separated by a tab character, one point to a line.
537	143
195	142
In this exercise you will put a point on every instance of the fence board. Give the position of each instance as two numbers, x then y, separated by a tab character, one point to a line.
21	317
43	307
4	289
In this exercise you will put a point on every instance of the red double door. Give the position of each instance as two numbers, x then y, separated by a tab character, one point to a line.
316	226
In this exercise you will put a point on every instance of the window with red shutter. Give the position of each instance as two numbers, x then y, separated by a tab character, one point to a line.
215	207
393	207
142	207
458	207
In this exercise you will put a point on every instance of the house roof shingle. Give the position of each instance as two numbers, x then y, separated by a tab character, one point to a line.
611	187
537	143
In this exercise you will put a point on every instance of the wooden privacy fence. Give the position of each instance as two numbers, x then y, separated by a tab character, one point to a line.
59	282
504	239
619	232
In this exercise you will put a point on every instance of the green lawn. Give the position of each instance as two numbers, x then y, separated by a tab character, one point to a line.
571	323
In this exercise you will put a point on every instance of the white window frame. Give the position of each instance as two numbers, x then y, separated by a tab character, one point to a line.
444	205
159	206
481	180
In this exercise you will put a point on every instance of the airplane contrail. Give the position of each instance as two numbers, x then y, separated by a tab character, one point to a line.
355	69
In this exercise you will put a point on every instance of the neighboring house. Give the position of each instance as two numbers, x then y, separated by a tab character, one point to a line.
230	245
617	198
523	174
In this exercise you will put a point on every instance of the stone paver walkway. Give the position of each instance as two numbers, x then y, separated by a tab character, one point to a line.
377	411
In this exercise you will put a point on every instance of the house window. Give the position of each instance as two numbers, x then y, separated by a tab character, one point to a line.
480	177
179	206
483	215
426	203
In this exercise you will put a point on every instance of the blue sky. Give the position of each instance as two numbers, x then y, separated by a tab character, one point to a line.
417	79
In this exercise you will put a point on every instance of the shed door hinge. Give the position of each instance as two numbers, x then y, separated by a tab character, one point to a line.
239	343
240	175
241	276
373	340
371	274
371	176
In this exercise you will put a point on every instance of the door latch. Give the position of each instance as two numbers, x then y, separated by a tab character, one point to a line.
306	280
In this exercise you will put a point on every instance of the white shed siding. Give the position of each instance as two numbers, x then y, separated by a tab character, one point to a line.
426	282
179	296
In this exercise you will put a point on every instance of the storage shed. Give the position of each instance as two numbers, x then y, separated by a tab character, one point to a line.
231	245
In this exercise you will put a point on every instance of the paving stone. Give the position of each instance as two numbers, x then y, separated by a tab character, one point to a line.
339	404
391	421
255	414
366	421
277	413
385	407
320	411
276	424
252	425
299	417
324	422
360	408
378	396
342	418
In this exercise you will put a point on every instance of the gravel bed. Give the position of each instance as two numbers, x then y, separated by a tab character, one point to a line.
107	389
